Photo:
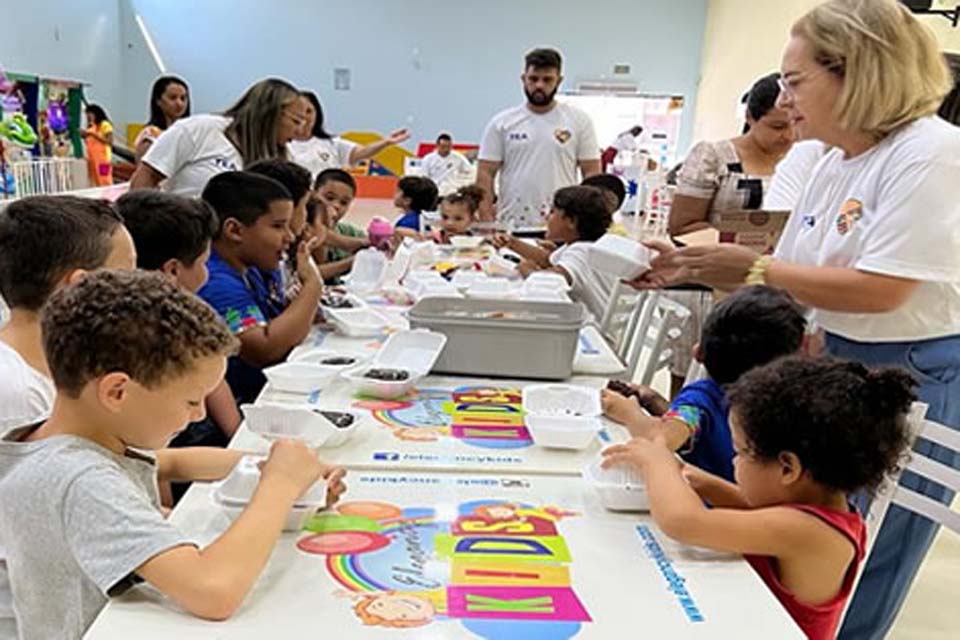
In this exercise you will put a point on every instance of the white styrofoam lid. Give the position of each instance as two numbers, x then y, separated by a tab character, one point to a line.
416	350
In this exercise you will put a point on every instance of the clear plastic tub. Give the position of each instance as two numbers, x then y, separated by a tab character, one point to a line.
619	488
298	377
409	355
622	257
233	494
505	338
313	425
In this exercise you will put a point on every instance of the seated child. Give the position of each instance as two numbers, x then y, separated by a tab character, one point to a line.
254	217
297	181
614	193
458	212
172	234
579	217
415	194
336	189
751	327
132	356
808	433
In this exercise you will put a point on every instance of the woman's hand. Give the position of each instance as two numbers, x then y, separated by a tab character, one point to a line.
721	266
398	136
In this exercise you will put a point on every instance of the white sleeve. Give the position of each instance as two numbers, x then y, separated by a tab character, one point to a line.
575	261
587	148
792	175
917	230
174	148
344	148
491	147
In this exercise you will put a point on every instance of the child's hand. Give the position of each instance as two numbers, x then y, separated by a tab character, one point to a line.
502	240
335	486
621	409
306	267
696	477
293	464
639	453
526	267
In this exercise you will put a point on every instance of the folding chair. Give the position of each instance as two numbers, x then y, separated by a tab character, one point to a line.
653	320
620	313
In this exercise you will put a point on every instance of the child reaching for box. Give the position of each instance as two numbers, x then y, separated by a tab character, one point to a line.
807	434
132	356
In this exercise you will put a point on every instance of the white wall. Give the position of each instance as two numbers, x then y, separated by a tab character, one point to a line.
432	64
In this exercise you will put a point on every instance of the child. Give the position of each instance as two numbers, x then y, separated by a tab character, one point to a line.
579	217
752	327
254	233
172	234
612	187
336	189
132	356
297	181
98	137
415	194
458	212
808	433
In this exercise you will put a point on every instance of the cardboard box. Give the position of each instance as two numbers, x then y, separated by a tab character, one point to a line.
758	229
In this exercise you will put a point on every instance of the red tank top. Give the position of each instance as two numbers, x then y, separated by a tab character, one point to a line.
818	621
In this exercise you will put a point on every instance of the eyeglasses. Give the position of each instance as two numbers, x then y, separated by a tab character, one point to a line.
788	86
295	120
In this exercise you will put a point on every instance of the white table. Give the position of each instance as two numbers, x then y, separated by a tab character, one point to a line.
599	574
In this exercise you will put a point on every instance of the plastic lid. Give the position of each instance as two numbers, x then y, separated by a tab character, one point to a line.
417	350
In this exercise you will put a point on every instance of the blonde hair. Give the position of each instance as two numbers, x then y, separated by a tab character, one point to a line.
255	118
892	68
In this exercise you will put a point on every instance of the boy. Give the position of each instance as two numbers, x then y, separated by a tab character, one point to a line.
612	187
172	234
579	216
132	356
253	235
752	327
335	189
297	181
415	194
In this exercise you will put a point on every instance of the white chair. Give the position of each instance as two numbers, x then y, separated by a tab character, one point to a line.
653	320
620	312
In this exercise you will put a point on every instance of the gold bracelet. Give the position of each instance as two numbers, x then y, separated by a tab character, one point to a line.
757	274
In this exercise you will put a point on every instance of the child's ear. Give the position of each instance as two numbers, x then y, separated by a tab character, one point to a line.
232	229
698	353
112	390
171	269
71	277
790	468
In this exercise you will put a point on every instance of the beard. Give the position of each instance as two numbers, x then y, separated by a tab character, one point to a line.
539	98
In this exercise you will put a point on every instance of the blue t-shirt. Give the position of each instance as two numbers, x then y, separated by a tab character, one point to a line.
245	300
703	406
409	220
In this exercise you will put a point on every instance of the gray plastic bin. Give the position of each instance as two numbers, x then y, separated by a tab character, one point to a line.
507	338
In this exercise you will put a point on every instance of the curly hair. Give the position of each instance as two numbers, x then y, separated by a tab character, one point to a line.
471	195
587	207
136	322
847	424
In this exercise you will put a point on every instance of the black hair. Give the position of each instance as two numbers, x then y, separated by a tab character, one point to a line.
315	208
587	207
544	59
291	175
98	113
160	85
470	195
636	130
421	191
608	182
950	107
847	424
318	130
165	226
751	327
762	97
42	238
335	175
444	136
243	196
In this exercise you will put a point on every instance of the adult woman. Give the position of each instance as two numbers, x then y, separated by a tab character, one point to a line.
194	149
721	176
169	101
316	150
872	245
98	138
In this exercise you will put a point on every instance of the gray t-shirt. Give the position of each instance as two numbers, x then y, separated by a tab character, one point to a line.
76	520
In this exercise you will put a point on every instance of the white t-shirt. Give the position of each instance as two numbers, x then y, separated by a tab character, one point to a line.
318	154
191	152
539	153
626	141
792	175
440	169
894	210
590	286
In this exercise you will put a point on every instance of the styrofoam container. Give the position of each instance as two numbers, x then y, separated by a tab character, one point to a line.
333	362
548	280
561	415
620	488
493	289
462	278
505	338
413	352
417	282
542	295
306	422
466	242
499	267
622	257
358	323
298	377
433	288
353	302
233	494
368	271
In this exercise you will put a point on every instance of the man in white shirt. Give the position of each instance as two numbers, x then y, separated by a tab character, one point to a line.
444	164
536	148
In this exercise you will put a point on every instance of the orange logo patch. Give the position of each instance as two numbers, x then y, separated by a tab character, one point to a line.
562	135
850	212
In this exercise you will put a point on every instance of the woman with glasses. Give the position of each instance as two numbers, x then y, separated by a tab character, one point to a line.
873	245
257	127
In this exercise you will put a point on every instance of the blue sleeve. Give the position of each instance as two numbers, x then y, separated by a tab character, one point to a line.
688	407
235	303
409	220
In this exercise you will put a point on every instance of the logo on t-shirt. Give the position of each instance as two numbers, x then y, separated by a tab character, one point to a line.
324	156
225	163
850	212
518	136
562	135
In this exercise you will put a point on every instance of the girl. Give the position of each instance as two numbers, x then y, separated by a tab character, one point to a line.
99	142
458	212
169	101
806	433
